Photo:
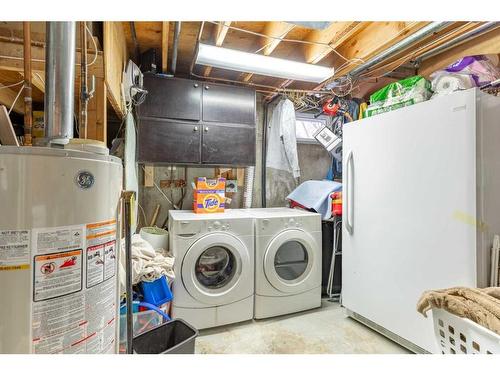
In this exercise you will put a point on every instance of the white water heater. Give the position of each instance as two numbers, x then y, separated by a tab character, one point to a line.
58	250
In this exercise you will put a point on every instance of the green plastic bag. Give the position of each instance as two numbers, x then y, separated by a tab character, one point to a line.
399	94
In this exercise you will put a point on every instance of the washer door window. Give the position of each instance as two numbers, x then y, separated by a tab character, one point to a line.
288	261
217	269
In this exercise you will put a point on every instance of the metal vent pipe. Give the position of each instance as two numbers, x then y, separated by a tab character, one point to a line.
60	56
424	32
175	47
484	28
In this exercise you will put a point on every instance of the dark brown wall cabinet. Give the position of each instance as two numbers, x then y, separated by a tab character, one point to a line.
191	122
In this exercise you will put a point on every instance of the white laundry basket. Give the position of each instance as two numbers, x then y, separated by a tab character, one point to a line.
457	335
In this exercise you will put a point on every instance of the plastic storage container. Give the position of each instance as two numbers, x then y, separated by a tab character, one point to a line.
156	292
457	335
173	337
143	322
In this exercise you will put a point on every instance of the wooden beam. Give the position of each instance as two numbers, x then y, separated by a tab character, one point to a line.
164	46
220	32
274	29
7	97
488	43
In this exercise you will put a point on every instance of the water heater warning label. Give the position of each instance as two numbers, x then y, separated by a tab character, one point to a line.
57	274
74	288
14	250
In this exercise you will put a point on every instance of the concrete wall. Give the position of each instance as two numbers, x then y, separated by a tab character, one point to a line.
313	159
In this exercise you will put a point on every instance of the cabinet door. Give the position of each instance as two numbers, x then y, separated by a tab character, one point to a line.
167	141
228	145
228	104
171	98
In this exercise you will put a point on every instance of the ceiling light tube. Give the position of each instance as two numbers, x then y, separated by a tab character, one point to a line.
240	61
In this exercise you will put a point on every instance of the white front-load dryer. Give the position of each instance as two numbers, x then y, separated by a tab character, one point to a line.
287	261
214	267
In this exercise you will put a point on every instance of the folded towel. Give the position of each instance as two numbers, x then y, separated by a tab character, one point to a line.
479	305
316	195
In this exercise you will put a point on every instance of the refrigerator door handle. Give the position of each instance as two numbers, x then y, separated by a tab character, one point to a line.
349	223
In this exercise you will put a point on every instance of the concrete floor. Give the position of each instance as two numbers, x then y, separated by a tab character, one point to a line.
324	330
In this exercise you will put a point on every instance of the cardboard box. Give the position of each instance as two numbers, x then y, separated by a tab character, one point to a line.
209	195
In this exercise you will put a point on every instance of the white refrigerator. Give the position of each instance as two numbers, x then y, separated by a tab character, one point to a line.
421	205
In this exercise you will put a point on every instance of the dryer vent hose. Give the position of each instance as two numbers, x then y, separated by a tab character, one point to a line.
248	192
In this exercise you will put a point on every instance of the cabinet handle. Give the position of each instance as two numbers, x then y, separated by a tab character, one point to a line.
206	129
195	129
195	85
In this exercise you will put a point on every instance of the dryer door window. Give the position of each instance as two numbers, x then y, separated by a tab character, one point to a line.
290	261
215	267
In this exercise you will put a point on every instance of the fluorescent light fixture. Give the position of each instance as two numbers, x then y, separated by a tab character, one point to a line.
240	61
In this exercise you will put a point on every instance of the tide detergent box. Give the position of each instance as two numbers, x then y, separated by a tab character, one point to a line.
209	195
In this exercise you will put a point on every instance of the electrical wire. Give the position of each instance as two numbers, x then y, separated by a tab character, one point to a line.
93	41
12	85
143	214
286	39
15	100
272	41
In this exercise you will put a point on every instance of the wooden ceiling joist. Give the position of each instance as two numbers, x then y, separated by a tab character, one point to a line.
220	33
274	30
334	35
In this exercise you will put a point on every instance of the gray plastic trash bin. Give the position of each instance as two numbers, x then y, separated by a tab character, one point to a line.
173	337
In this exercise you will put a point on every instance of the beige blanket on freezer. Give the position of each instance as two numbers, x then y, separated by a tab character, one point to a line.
479	305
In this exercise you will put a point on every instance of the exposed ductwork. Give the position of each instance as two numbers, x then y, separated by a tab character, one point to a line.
424	32
484	28
60	56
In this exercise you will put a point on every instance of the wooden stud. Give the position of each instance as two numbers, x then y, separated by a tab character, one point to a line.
240	176
149	176
164	46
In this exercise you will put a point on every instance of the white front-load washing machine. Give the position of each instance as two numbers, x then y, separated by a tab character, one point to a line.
214	267
287	261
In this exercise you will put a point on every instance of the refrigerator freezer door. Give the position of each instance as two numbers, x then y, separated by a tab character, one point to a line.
410	197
